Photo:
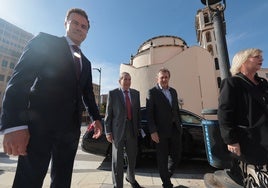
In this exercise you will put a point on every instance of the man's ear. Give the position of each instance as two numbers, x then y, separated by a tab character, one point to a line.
65	24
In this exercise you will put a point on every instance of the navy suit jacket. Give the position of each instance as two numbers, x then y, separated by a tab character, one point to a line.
44	89
161	114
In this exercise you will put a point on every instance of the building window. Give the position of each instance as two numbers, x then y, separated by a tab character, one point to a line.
217	67
208	36
206	18
210	49
12	65
219	81
4	63
2	77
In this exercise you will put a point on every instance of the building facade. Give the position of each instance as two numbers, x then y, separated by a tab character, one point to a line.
12	42
96	90
191	71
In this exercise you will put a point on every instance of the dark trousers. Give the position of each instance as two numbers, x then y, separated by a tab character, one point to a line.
168	154
129	142
45	146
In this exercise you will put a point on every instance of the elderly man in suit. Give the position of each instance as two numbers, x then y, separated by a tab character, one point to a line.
43	103
165	125
122	123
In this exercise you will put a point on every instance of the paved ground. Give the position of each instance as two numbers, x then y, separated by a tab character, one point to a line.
95	172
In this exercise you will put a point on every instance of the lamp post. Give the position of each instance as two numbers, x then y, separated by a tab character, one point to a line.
217	156
99	100
220	35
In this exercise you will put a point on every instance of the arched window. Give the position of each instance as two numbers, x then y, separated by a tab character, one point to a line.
206	17
210	49
217	67
219	82
208	36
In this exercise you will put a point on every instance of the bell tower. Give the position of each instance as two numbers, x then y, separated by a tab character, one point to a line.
205	34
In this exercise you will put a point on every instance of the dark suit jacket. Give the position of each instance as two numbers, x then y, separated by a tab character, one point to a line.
44	89
116	113
162	115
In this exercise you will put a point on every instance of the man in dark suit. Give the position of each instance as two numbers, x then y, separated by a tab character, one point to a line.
43	104
165	125
122	126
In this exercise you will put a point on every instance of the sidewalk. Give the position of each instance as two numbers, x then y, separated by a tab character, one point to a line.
92	171
103	179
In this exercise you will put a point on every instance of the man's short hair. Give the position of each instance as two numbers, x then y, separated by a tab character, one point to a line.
77	11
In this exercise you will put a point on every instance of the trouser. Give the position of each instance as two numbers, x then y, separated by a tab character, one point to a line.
168	154
129	142
59	148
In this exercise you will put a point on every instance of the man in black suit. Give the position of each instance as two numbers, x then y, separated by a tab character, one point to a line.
165	125
121	126
43	104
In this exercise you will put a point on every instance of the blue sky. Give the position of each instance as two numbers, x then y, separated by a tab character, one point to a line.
119	27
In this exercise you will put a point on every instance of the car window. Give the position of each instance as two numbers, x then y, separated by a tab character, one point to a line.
189	118
186	117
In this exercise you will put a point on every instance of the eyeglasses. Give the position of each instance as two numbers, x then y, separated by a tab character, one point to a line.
256	56
77	24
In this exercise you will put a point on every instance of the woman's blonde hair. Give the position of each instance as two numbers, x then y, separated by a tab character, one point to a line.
241	57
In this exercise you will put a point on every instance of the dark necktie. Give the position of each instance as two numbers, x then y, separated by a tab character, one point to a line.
128	105
77	58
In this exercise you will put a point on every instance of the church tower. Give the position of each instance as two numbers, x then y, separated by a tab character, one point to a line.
205	34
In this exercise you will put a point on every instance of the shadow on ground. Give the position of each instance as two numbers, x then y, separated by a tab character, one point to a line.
191	168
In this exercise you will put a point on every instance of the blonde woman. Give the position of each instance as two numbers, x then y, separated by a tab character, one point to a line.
242	113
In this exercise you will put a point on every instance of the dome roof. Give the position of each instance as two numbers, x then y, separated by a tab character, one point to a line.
160	41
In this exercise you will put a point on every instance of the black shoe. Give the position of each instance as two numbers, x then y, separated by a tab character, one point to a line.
135	184
170	174
167	184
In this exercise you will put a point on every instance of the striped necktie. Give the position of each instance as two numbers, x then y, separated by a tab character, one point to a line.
128	105
77	57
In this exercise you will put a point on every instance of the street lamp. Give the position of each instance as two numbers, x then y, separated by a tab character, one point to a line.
99	70
217	18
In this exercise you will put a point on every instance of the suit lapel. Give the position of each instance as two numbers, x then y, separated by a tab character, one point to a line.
173	97
121	96
163	97
132	96
86	69
69	56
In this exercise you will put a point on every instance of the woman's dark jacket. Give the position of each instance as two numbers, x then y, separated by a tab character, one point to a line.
242	115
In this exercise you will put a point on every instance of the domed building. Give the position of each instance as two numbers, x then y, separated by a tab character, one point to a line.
195	71
192	71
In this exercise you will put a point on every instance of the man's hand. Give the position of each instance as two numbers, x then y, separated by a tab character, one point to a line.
234	148
155	137
97	129
109	137
15	143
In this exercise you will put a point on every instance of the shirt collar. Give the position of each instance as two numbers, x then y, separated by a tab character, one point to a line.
70	42
162	88
124	90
